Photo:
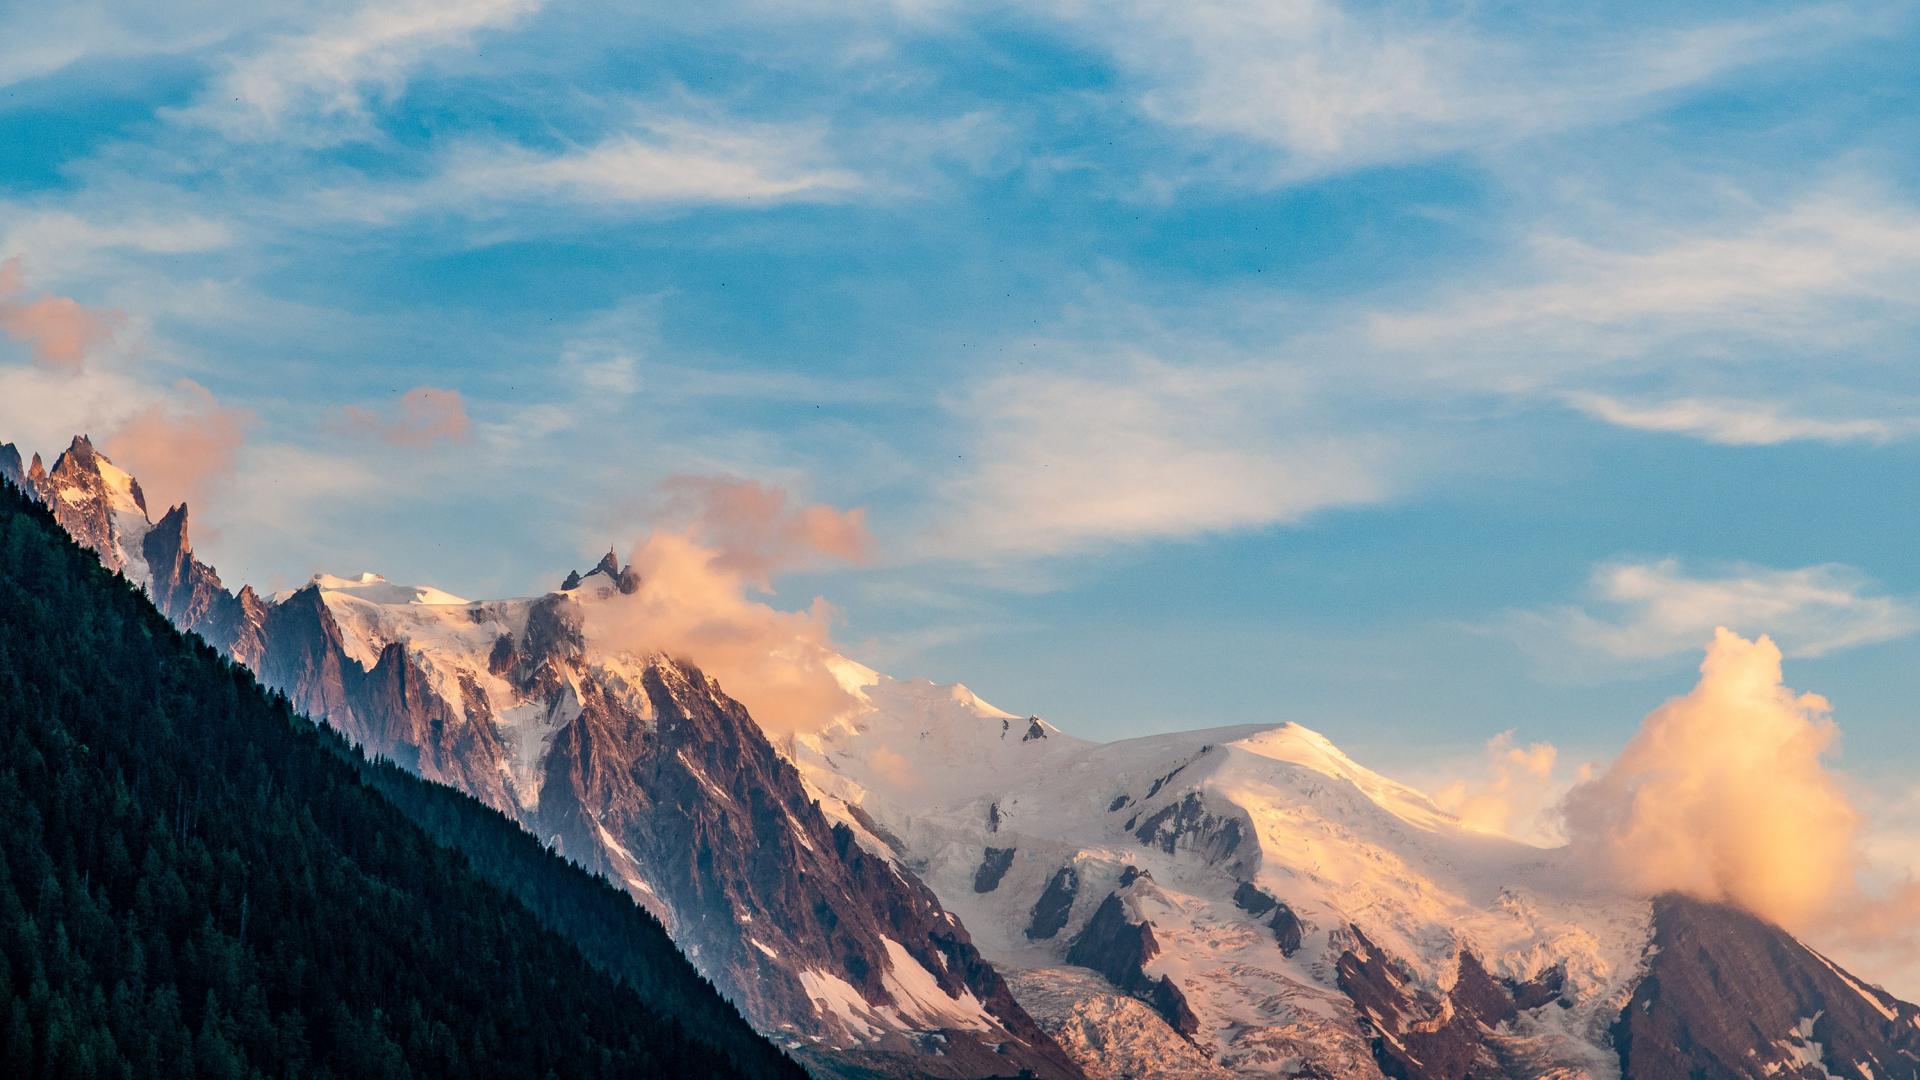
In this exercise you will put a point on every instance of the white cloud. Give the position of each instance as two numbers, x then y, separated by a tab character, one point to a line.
660	162
1735	423
1824	270
60	244
313	86
1144	450
51	37
1653	610
1331	85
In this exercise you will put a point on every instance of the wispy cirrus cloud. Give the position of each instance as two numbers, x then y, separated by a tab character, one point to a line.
1328	86
1737	423
1645	611
314	86
658	162
1826	267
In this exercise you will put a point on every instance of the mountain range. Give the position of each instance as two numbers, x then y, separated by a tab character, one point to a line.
929	885
197	881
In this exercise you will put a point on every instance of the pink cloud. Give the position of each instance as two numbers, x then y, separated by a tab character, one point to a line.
695	597
179	449
59	332
757	530
425	415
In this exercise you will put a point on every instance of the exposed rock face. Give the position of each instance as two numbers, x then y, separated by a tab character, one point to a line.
693	796
1418	1034
1286	926
189	593
1055	905
1118	946
1415	1035
99	505
993	867
1189	824
1728	995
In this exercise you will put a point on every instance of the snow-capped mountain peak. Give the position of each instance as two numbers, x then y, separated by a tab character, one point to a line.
375	589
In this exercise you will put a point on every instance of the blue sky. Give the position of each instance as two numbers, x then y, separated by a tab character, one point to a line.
1419	372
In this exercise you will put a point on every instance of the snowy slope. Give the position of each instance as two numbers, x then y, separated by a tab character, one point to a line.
1205	814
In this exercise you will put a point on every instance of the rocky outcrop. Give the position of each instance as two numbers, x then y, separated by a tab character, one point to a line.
191	595
1286	926
1726	994
1055	905
1420	1034
1118	946
1189	825
91	499
993	867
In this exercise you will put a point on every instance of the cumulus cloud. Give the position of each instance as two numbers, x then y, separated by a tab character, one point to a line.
424	415
1649	610
1723	794
179	449
1513	794
694	601
58	331
1063	460
1735	423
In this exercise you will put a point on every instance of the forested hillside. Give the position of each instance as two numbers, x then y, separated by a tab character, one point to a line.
196	881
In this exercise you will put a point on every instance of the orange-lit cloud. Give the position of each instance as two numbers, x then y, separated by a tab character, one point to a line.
1723	795
757	531
694	599
424	416
58	331
690	604
1516	790
179	449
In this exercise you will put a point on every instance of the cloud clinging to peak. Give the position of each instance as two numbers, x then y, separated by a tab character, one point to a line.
1723	794
721	542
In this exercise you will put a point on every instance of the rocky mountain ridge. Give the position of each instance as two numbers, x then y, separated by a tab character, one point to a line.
638	767
1237	902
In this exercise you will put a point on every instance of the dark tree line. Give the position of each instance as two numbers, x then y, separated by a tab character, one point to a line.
196	881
